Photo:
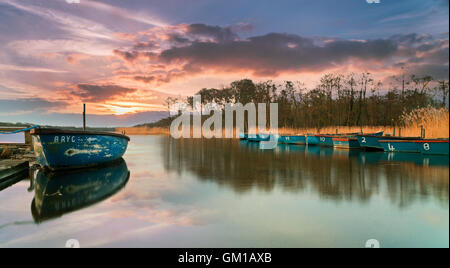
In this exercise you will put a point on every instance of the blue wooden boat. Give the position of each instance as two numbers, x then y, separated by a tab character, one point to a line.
243	136
433	146
294	139
400	146
61	192
325	140
258	137
262	137
62	149
372	141
346	142
312	140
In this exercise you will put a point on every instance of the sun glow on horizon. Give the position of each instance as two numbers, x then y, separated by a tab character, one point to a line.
123	108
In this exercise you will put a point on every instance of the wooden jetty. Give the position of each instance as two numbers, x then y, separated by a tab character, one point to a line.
12	171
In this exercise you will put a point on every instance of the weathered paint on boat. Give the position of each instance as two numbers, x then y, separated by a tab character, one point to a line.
57	149
401	146
346	142
294	139
60	192
433	146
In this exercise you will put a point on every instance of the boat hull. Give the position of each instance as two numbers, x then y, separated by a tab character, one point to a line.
262	137
439	147
325	140
346	143
77	149
312	140
243	136
372	142
401	146
296	139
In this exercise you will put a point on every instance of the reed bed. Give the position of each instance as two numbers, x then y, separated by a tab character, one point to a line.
144	130
435	121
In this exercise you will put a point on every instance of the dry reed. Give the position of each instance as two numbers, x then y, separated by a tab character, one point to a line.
435	121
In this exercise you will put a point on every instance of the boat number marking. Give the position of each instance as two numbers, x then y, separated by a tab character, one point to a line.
61	139
363	139
426	146
322	139
391	148
287	138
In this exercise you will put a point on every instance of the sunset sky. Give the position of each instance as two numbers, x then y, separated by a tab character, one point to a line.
124	57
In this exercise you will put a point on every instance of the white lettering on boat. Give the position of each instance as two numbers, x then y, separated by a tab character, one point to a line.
64	139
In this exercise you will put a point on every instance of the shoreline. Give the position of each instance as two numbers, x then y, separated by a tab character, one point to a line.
414	131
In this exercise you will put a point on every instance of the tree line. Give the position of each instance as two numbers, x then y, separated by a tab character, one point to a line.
336	100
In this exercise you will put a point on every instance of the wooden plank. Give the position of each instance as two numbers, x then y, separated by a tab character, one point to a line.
10	168
19	176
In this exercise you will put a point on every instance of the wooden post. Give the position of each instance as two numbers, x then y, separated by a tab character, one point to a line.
399	131
422	132
84	117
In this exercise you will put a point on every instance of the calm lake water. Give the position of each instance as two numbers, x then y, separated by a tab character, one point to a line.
228	193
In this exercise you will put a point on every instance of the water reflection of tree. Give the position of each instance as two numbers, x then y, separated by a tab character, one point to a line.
337	175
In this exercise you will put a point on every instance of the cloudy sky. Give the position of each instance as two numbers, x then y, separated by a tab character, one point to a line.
124	57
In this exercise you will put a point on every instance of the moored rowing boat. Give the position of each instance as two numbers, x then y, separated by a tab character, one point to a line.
402	146
293	139
58	149
346	142
433	146
372	142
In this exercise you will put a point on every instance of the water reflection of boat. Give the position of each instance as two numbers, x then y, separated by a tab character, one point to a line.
331	173
418	159
369	157
291	148
57	193
317	150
